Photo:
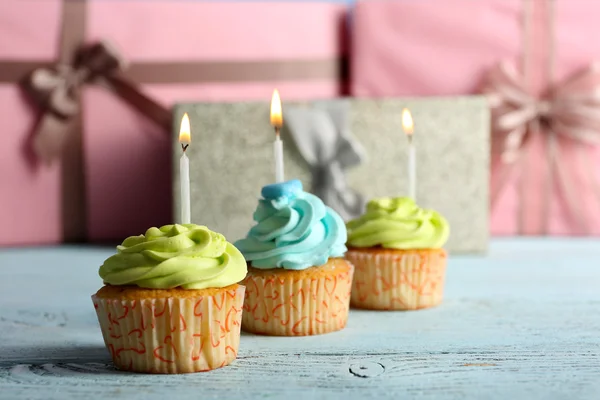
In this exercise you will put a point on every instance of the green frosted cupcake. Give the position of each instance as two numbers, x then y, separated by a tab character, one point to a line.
396	248
171	302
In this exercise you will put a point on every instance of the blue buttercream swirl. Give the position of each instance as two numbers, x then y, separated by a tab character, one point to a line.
294	230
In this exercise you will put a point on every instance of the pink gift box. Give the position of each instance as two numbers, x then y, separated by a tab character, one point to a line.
551	182
224	51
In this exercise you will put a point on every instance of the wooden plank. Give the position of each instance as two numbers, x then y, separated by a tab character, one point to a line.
522	322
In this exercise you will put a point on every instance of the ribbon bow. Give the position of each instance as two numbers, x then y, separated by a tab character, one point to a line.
56	91
571	108
323	139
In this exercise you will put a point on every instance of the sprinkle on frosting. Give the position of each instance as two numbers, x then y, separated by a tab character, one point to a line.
187	256
398	223
294	230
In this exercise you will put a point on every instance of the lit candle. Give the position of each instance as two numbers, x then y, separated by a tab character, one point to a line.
277	123
408	126
185	139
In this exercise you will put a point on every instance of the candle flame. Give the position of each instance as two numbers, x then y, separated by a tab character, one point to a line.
276	115
407	122
185	136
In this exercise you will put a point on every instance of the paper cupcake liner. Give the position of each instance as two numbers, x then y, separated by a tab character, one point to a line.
397	279
172	335
289	303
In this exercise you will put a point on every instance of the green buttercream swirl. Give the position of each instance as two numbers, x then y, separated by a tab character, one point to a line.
188	256
398	223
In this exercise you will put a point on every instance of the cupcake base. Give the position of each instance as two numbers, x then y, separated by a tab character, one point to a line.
298	303
170	331
388	279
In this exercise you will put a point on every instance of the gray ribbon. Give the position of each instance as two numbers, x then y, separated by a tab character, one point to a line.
322	135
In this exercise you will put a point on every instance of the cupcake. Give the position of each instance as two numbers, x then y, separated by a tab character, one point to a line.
396	248
171	303
298	283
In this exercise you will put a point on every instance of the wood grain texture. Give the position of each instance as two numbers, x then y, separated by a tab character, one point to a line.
520	323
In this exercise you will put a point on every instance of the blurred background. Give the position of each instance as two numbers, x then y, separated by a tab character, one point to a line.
87	90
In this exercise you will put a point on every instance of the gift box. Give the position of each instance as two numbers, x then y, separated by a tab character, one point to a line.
85	152
535	61
346	151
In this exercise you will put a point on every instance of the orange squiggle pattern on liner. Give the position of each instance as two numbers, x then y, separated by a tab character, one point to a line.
172	335
297	307
397	279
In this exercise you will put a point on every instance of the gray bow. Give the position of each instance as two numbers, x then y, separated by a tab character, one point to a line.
323	138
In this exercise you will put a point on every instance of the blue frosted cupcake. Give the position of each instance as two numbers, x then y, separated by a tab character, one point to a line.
298	283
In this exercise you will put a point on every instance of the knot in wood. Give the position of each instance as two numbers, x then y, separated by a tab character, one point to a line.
366	369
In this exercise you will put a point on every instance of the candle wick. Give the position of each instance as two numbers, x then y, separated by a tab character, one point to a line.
277	133
410	138
184	147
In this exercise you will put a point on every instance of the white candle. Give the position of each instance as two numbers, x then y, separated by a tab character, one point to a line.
184	171
277	123
278	150
185	139
412	170
408	126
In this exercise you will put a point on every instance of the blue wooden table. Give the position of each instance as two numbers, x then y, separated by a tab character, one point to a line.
522	322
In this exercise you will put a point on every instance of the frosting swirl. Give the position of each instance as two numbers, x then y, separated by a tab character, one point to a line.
398	223
294	230
188	256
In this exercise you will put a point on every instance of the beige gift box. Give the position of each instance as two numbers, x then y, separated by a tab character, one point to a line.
231	158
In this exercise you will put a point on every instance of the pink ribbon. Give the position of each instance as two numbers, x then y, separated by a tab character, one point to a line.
570	108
